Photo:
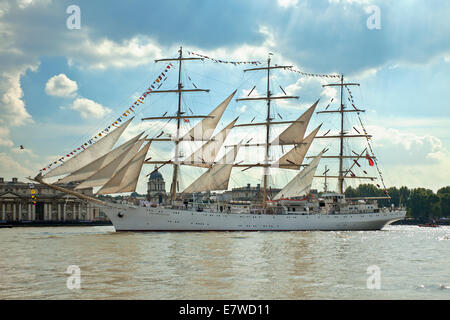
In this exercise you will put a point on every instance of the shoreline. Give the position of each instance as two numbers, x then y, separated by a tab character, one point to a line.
12	224
413	222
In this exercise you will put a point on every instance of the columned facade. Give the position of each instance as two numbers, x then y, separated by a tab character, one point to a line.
16	204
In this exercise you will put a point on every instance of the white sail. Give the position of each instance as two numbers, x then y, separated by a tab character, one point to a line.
204	129
296	131
301	184
95	151
206	154
125	180
218	176
103	175
294	158
100	163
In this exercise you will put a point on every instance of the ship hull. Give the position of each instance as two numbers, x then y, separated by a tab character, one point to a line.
163	219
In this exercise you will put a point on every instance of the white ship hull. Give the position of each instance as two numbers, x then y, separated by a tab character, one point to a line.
164	219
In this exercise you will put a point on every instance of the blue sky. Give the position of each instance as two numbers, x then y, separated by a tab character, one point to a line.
58	86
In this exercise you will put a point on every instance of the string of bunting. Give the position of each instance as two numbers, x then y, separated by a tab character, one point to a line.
223	61
368	142
156	84
312	74
259	62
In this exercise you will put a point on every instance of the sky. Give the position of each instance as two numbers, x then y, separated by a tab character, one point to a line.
60	85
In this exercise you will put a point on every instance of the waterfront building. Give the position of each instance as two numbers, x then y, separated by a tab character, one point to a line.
250	193
156	188
16	203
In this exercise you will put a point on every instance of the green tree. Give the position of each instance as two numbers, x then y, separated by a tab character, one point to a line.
368	190
394	193
444	190
423	204
444	203
403	195
350	192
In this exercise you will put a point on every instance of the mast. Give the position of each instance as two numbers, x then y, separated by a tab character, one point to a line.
342	135
179	116
266	158
173	186
267	123
341	147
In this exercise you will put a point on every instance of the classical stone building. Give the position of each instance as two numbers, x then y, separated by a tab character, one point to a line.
247	194
156	188
16	203
250	193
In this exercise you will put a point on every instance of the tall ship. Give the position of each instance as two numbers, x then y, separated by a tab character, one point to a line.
293	207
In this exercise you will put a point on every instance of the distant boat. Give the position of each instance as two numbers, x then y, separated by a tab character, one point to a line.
429	225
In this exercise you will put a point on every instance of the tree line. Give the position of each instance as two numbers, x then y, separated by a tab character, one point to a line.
421	203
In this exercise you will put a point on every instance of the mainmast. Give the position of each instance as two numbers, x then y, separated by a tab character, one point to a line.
267	123
179	116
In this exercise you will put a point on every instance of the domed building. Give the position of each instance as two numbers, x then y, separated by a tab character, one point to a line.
156	187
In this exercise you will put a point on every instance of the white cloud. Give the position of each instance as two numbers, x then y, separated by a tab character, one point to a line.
270	36
12	107
107	53
4	7
408	140
411	159
23	4
5	138
11	168
309	90
247	52
287	3
89	108
61	86
242	109
365	73
350	1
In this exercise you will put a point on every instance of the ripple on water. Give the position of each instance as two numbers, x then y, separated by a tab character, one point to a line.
258	265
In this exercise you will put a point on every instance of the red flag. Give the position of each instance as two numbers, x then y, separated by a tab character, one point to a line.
370	159
186	120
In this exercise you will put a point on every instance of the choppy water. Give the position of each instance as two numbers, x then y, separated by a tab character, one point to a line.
414	263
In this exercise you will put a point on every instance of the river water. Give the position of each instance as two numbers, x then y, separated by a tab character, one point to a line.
399	262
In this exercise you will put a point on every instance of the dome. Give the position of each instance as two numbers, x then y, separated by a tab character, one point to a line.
155	175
